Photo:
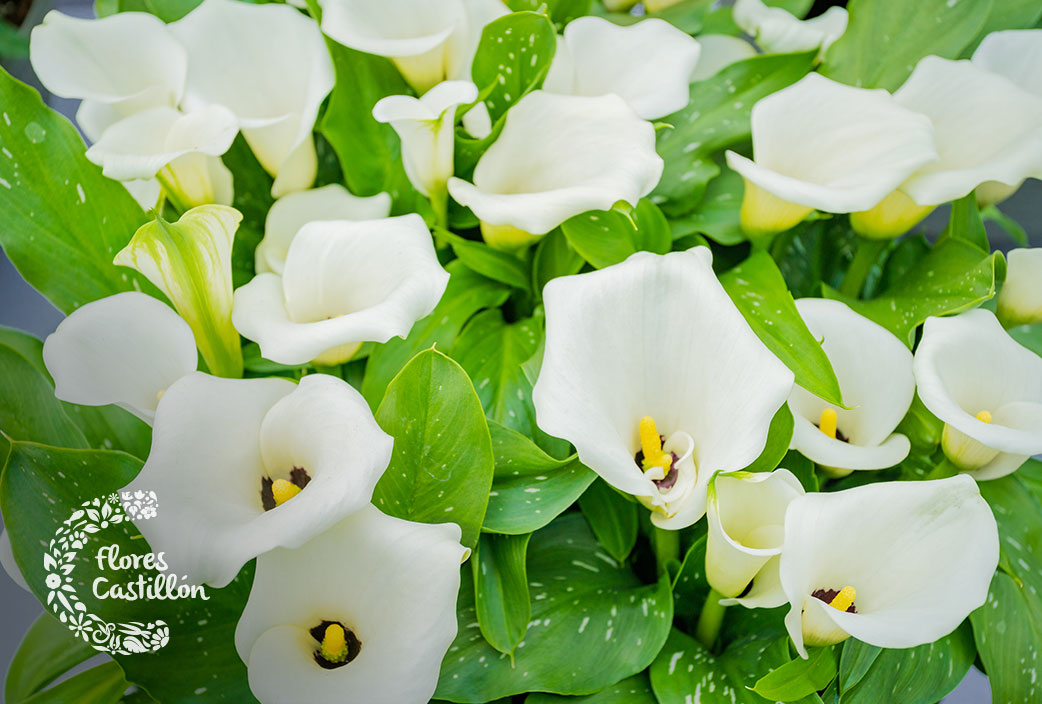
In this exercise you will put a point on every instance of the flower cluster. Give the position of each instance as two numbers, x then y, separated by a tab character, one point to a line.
664	277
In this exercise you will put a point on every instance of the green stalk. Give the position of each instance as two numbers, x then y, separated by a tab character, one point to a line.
710	620
667	547
865	257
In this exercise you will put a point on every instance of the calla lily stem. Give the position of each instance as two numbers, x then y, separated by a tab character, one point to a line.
865	257
667	547
710	620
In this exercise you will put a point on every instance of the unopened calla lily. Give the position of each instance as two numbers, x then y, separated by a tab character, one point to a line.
777	31
1020	299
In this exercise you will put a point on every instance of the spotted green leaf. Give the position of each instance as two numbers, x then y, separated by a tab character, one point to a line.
799	677
501	596
606	237
632	690
48	650
613	518
513	57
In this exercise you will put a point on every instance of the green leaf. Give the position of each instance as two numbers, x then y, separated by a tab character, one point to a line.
441	467
47	651
716	117
632	690
512	58
530	487
13	45
921	675
778	437
953	277
606	237
252	199
1008	14
718	215
494	263
1008	628
966	224
466	294
799	678
561	11
28	409
61	233
803	468
501	589
1028	335
166	10
41	487
758	289
554	256
885	40
584	606
103	684
854	661
613	519
492	351
690	586
922	428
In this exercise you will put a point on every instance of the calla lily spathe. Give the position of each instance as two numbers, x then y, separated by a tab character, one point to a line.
822	145
225	451
344	283
118	65
268	65
291	212
986	388
429	42
746	516
718	51
778	31
648	64
893	564
559	156
1020	299
364	612
181	149
874	370
656	338
425	127
191	262
126	349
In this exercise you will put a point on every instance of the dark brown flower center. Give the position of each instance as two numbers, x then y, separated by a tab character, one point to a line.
827	595
337	648
667	482
298	476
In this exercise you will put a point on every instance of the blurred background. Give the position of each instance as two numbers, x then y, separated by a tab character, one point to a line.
23	308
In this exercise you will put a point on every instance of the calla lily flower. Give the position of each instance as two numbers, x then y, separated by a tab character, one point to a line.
648	64
191	262
118	65
1015	54
269	65
344	283
656	378
244	466
778	31
559	156
8	563
1020	299
746	515
291	212
986	388
874	370
819	144
719	51
987	129
894	564
127	350
180	149
428	42
426	128
364	612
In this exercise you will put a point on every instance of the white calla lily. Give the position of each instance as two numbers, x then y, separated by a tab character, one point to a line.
986	388
426	128
364	612
894	564
874	370
269	65
778	31
344	283
1020	299
648	64
181	148
719	51
292	211
746	516
559	156
126	349
822	145
648	349
244	466
428	42
117	65
987	128
7	561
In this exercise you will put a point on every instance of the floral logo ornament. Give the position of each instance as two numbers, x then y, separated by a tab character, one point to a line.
92	517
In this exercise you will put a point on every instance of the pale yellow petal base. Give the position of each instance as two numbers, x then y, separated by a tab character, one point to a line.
963	451
764	214
892	217
506	237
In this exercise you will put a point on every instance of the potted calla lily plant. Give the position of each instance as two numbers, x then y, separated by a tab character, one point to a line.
517	351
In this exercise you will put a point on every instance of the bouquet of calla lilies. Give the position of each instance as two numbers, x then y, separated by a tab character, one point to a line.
526	351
